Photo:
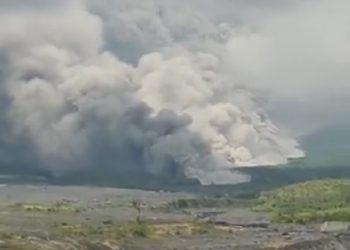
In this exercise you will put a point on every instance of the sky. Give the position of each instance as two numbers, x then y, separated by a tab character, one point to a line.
189	88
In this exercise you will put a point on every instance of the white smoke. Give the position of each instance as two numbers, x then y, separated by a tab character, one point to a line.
139	85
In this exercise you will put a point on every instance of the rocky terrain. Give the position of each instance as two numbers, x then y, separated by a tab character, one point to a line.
87	218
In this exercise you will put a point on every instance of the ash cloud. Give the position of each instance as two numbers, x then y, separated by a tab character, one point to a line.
162	87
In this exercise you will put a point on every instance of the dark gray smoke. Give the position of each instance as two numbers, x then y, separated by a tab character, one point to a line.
160	87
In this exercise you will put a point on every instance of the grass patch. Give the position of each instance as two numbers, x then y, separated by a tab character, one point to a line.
18	245
130	230
51	208
313	201
210	203
108	231
172	229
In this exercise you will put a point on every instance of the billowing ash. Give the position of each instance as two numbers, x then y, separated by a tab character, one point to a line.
134	85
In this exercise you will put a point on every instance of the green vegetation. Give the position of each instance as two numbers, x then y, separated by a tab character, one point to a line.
313	201
82	236
18	245
129	230
210	203
43	208
114	232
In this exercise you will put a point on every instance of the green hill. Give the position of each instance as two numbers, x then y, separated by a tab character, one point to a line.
313	201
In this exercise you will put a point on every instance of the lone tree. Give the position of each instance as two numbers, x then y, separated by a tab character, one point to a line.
137	206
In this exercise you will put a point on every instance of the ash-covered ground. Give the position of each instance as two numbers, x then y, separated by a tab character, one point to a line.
69	217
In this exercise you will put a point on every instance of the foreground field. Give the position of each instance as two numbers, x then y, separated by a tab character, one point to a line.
87	218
